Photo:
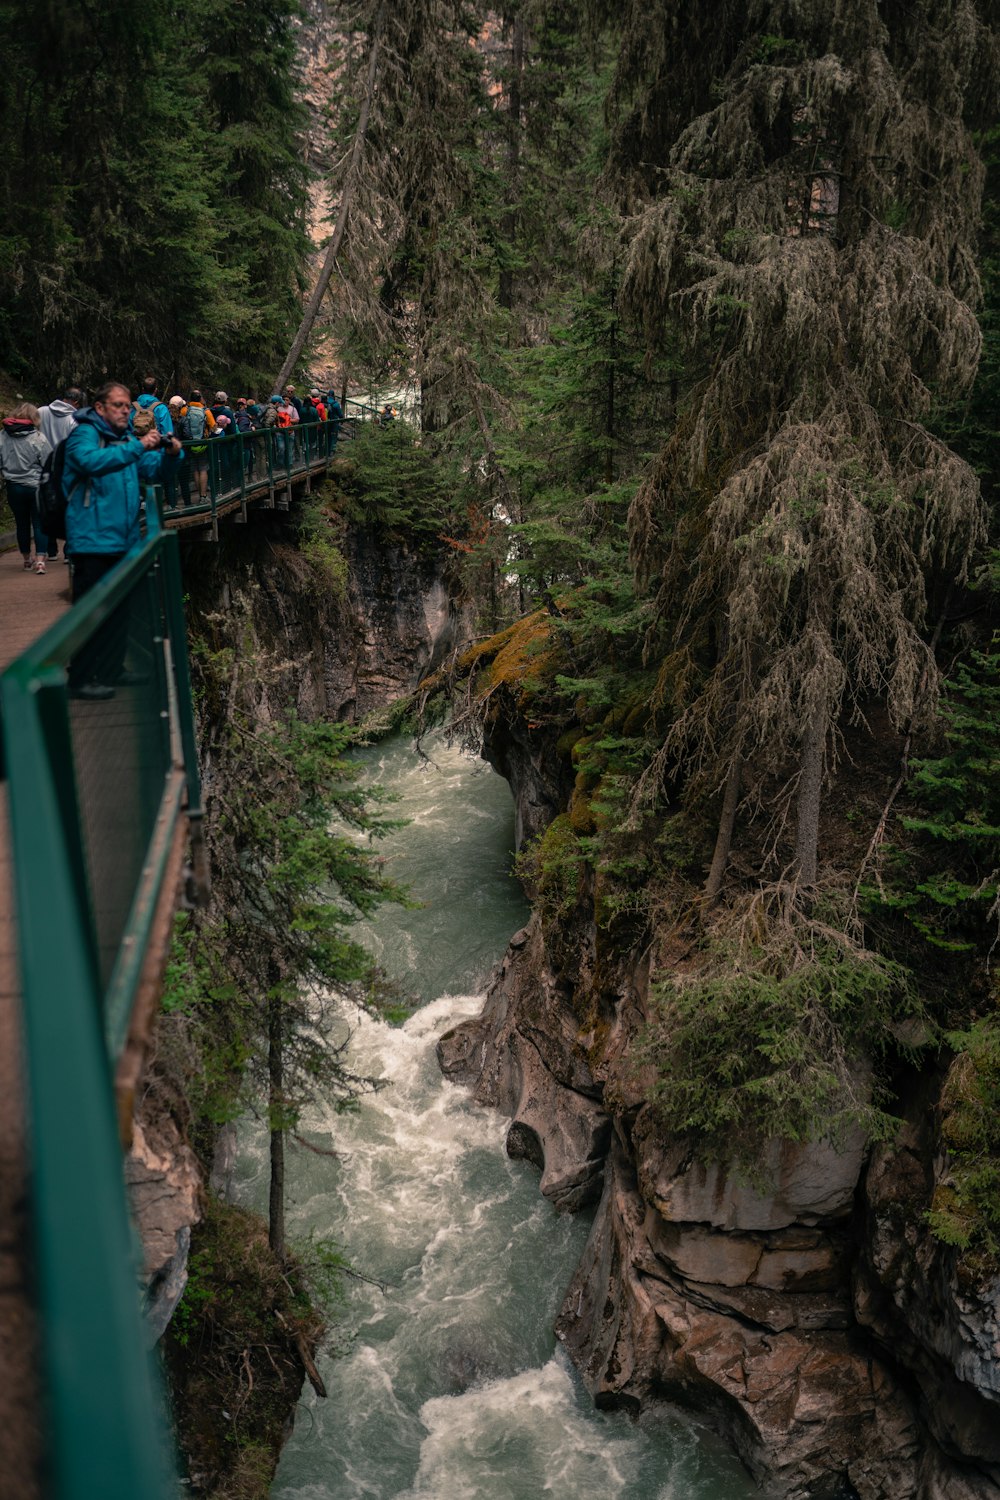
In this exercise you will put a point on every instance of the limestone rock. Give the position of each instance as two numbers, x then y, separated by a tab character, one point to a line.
811	1415
539	782
912	1293
808	1182
941	1479
164	1188
566	1135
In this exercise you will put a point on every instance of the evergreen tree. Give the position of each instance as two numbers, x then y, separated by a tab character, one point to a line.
804	194
150	187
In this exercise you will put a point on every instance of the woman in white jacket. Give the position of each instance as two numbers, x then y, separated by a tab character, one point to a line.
23	451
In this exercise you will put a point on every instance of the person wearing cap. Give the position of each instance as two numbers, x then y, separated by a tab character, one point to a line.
323	435
243	424
310	420
221	407
177	408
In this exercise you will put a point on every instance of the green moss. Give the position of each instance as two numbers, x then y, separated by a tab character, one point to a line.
965	1211
555	867
764	1042
581	812
567	740
231	1353
526	659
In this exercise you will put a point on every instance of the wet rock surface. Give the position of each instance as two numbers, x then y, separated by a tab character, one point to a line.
328	655
809	1314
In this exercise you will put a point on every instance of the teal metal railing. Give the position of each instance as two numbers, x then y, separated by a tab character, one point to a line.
220	474
97	787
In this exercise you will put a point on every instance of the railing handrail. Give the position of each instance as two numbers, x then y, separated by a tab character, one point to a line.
108	1429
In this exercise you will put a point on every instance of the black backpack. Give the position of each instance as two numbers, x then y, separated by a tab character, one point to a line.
52	497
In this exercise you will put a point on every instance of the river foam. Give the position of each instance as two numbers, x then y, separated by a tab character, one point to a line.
448	1384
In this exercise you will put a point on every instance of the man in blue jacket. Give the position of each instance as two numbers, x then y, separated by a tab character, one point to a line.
104	463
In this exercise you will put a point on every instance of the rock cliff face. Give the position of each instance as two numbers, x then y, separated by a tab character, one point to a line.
814	1318
337	656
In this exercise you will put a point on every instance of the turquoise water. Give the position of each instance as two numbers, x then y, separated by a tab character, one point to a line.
448	1384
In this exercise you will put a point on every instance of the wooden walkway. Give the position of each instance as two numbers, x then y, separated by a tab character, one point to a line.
28	605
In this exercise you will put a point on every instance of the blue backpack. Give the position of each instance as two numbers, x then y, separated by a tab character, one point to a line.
193	426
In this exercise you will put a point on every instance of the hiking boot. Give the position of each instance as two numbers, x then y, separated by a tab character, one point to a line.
92	692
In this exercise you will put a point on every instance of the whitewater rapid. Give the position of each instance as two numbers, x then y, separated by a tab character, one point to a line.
445	1381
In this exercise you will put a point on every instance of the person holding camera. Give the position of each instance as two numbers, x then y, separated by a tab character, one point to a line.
104	464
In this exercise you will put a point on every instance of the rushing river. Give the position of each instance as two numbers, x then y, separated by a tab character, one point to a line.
449	1385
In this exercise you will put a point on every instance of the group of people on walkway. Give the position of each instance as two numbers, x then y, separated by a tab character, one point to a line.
102	461
197	422
31	434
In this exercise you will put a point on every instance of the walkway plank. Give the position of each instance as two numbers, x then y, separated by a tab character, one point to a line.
28	605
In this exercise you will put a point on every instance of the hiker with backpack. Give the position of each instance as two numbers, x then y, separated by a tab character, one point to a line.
149	411
334	417
196	426
243	424
103	462
59	418
309	417
23	451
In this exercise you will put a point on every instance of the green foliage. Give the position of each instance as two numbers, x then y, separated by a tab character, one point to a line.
151	188
772	1040
291	874
554	866
232	1353
965	1211
393	483
320	535
951	888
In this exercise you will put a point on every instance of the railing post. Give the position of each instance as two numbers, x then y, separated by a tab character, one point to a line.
106	1425
242	459
177	633
213	486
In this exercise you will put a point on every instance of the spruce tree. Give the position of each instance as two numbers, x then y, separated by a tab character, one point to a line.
803	193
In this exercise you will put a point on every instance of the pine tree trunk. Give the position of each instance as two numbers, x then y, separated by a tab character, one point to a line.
333	249
276	1088
809	798
724	838
512	186
609	406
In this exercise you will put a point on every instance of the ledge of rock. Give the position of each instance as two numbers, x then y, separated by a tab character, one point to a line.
912	1292
809	1182
164	1188
811	1415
